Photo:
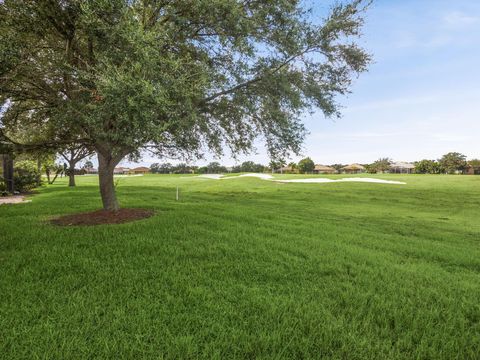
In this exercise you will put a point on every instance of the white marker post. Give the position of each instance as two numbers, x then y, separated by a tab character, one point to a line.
177	194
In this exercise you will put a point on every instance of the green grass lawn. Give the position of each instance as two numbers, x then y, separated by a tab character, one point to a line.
246	268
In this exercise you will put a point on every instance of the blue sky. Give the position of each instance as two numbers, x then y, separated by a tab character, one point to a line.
420	98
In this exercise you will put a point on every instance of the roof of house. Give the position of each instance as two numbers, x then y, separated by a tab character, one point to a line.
354	167
141	168
324	168
403	165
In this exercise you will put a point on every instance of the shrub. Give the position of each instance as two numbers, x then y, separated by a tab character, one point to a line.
25	176
3	187
306	165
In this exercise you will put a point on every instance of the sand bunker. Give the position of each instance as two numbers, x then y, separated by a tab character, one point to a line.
307	180
260	176
211	176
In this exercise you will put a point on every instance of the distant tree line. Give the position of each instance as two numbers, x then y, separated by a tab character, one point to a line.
450	163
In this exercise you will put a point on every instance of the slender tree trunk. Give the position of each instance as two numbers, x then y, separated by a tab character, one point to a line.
106	164
71	174
39	169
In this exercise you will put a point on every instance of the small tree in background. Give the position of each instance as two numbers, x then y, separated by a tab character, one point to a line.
306	165
276	164
250	166
88	165
216	168
427	167
293	165
73	154
380	166
474	162
165	168
453	162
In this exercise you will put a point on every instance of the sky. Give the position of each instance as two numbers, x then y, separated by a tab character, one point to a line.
420	98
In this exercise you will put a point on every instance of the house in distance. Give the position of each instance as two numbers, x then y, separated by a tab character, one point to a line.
322	169
353	169
402	168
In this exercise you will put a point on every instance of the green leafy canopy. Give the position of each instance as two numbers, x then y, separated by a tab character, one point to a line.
175	77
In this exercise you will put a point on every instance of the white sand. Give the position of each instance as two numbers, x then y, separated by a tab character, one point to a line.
307	180
311	180
223	177
260	176
210	176
15	199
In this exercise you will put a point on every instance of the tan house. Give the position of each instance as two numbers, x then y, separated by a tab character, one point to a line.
286	170
121	170
139	170
91	171
322	169
472	170
402	168
353	169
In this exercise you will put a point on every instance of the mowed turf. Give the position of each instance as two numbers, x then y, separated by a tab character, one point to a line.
246	269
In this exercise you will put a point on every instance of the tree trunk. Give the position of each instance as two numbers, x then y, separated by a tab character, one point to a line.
39	169
106	164
71	174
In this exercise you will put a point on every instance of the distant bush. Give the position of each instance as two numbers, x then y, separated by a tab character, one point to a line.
306	165
3	187
25	176
426	166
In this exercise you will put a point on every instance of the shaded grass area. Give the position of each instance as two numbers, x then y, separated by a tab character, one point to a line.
246	268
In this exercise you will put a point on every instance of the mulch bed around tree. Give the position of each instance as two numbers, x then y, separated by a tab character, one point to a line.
101	217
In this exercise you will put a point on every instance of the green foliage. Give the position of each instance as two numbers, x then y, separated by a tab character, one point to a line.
277	164
246	269
177	76
212	168
474	162
26	175
380	166
453	162
250	166
427	167
88	165
3	185
165	168
306	165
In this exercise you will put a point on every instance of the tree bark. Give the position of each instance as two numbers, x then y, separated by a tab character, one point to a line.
71	175
106	164
39	169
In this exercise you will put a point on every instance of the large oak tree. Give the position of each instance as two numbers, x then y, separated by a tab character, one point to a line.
177	77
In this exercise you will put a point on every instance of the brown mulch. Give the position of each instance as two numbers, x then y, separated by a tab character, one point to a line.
101	217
